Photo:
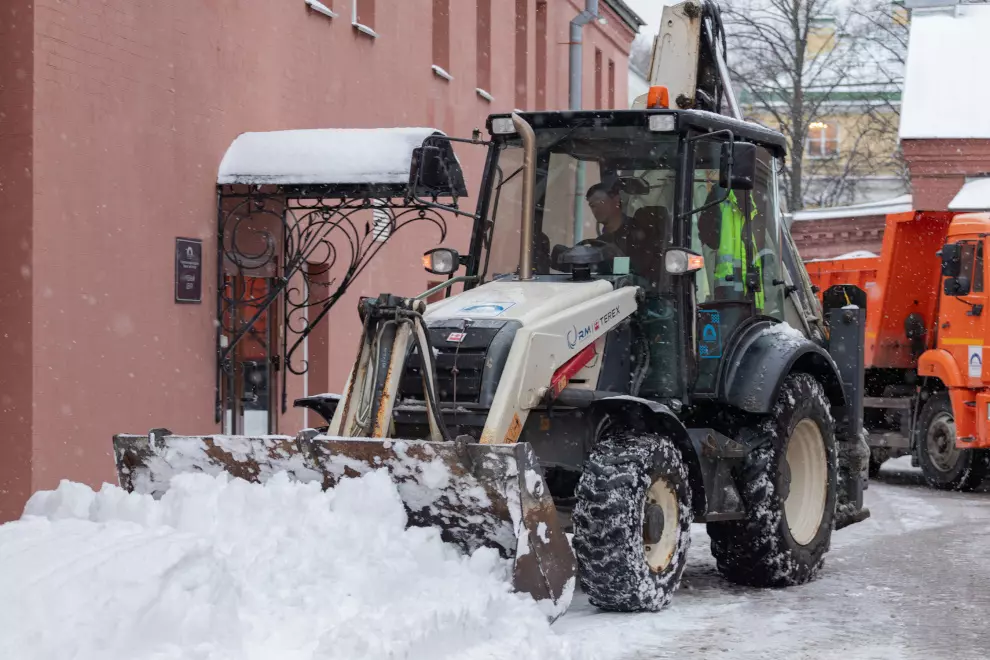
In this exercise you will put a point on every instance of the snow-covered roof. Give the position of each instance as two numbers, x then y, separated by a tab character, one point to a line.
323	156
973	196
902	204
944	96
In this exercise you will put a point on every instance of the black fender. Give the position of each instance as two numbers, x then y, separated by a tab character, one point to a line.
643	414
763	353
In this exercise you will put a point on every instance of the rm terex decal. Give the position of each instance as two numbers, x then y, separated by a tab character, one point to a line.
577	335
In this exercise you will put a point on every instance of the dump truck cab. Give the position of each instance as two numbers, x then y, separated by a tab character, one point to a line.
963	330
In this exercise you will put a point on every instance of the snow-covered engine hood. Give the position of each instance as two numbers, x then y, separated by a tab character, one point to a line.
517	301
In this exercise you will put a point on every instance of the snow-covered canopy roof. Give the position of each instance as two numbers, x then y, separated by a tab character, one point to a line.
974	196
944	95
900	204
323	156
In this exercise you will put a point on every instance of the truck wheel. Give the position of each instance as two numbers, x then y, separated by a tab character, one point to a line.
788	484
944	466
632	521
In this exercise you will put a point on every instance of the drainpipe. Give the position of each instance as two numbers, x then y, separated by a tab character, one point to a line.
576	49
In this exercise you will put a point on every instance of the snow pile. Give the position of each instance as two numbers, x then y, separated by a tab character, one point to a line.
784	335
857	254
222	569
323	155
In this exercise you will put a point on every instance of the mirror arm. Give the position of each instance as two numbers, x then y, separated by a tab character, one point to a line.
704	207
716	202
443	207
445	284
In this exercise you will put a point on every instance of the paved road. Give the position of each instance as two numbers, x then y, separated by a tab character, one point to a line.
912	583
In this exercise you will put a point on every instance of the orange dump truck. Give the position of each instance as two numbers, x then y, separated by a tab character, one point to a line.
927	385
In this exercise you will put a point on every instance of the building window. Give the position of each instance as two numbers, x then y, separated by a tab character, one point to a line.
823	140
363	16
611	84
522	53
441	38
483	44
598	79
541	55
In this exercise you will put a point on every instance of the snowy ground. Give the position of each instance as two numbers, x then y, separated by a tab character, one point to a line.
912	582
221	572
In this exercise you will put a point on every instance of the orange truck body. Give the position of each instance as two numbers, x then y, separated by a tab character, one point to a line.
906	279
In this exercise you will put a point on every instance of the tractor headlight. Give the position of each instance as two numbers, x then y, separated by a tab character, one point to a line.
503	126
662	123
441	261
678	261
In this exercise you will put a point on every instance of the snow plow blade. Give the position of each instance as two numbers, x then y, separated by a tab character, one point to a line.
476	495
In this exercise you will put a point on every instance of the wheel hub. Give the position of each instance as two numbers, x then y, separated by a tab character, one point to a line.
805	480
941	442
653	524
661	518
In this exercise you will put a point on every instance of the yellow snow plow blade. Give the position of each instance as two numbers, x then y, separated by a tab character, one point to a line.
477	495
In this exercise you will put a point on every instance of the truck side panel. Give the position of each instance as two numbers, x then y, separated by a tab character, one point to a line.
905	279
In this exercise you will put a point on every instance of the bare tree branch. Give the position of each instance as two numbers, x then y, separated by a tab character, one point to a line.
798	62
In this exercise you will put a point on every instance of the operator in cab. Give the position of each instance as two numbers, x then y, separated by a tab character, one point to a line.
724	230
637	240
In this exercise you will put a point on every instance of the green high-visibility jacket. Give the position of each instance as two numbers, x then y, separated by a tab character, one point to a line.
730	271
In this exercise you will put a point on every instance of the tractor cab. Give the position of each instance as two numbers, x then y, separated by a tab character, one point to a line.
682	204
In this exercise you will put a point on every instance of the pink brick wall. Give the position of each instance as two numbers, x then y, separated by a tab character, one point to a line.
134	104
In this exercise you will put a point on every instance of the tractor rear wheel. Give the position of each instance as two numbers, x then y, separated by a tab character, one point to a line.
632	521
788	484
945	467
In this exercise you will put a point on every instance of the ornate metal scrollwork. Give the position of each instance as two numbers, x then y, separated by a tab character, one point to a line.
308	246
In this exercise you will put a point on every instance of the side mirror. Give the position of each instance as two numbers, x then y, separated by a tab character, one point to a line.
737	170
434	170
441	261
426	169
951	260
678	261
957	286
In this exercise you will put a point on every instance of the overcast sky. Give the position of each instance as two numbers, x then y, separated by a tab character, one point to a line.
649	11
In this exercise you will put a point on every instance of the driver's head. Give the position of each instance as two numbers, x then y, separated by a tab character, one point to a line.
606	205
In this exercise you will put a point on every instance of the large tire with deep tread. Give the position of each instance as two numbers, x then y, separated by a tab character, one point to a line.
608	520
970	466
761	550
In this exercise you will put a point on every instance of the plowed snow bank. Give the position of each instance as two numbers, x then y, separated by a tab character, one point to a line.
221	569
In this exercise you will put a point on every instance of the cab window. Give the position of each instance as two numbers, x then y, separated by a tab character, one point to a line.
759	246
971	265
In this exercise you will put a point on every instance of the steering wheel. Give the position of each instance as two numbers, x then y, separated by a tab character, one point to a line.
608	247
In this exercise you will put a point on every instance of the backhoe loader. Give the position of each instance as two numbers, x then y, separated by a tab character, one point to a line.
620	366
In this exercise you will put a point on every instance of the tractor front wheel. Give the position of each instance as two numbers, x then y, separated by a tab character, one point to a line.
632	521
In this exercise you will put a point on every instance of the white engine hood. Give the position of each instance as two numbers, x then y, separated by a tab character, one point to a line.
515	300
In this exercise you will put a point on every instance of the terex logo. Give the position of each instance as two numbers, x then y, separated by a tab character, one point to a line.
577	335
